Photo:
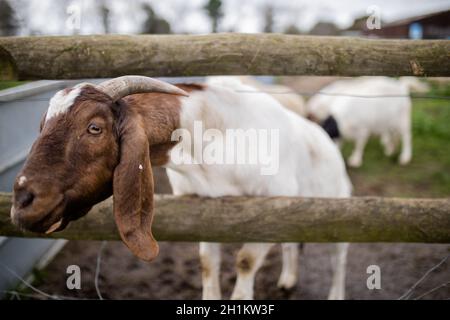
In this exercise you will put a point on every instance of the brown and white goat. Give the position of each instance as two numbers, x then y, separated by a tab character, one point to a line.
101	140
93	144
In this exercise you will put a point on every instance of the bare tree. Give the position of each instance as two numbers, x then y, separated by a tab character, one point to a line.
105	15
153	23
268	19
214	10
8	20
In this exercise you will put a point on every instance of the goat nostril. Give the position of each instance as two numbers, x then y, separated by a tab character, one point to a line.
24	198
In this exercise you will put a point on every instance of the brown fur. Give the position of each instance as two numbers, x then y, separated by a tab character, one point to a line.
244	263
205	263
70	169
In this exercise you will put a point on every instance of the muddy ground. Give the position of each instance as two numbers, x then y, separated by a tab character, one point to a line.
176	274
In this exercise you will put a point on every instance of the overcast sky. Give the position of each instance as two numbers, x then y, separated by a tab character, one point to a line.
49	16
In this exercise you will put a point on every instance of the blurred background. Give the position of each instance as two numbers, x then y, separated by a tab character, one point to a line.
36	269
399	19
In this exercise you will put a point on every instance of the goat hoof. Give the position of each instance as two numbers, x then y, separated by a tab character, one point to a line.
287	282
211	296
404	160
354	163
241	296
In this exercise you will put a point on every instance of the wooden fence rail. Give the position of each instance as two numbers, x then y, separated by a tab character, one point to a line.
271	219
242	219
103	56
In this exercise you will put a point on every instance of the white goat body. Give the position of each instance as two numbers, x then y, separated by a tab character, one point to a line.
310	165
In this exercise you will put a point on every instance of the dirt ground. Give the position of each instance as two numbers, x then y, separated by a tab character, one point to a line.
176	274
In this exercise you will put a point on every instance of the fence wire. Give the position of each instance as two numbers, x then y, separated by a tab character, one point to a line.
296	92
310	94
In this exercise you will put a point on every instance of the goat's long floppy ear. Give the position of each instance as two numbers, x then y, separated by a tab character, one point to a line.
133	190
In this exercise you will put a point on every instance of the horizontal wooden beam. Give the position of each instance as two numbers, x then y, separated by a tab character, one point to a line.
270	219
104	56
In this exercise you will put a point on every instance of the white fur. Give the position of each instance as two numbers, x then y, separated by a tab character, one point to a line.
289	272
62	101
358	117
21	181
414	84
310	165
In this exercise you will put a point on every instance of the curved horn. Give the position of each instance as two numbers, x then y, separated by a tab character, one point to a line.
123	86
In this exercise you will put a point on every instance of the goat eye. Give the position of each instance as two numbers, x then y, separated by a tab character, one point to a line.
94	129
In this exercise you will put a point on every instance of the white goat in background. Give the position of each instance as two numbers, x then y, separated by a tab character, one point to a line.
283	94
387	114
